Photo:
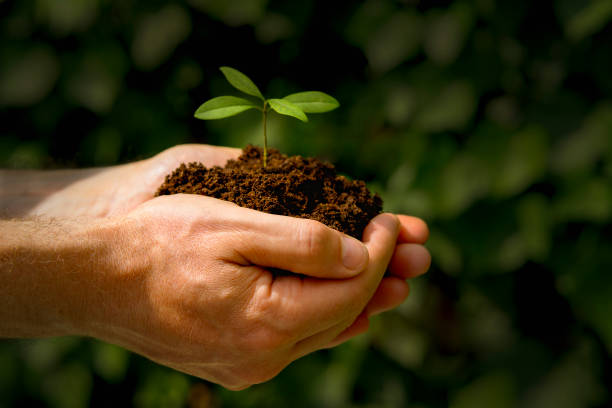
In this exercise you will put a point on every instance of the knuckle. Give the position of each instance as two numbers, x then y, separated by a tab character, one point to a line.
316	238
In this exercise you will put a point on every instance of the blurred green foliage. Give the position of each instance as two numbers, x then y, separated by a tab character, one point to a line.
490	119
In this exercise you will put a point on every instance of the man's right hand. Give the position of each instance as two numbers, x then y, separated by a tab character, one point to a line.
191	288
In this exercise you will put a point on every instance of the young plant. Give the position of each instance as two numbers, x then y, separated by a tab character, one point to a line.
296	105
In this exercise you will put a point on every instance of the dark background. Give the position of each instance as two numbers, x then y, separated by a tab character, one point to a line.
492	120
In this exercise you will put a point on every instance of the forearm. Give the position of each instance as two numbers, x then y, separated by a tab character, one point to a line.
47	268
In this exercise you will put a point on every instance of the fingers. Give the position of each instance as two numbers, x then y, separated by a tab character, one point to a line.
310	248
380	237
413	230
333	336
302	246
328	312
211	155
254	238
324	304
206	154
359	326
409	261
152	172
389	295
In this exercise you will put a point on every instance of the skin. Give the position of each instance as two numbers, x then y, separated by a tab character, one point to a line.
184	279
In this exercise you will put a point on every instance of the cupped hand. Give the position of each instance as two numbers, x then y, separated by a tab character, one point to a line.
117	190
148	175
196	293
410	259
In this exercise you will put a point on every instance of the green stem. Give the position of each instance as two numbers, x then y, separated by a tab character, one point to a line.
265	131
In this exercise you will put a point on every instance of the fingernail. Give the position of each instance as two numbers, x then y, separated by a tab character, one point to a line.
354	254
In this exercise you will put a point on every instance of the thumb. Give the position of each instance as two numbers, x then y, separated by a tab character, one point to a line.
302	246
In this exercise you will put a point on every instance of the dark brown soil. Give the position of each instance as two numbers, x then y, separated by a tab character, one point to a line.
294	186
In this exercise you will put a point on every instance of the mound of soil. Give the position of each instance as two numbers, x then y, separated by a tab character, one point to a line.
293	186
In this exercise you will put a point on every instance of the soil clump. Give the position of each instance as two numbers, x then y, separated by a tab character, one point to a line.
294	186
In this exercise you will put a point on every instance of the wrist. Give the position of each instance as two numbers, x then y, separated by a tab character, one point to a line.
115	281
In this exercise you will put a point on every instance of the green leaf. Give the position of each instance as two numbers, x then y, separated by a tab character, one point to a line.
241	82
285	107
223	107
313	101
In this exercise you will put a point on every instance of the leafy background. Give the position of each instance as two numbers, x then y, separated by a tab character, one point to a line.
490	119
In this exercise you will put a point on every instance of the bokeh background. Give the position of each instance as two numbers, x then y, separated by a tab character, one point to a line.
492	120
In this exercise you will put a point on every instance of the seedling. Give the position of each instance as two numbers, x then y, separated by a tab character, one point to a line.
296	105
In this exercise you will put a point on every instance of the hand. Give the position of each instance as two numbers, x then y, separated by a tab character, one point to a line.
118	190
194	292
114	190
410	259
123	193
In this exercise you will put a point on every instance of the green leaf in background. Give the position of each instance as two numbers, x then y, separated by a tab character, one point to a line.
585	18
592	300
313	101
446	32
580	150
285	107
535	222
394	41
495	389
524	162
241	82
451	108
446	252
587	200
74	376
109	361
43	355
157	34
571	382
223	107
162	387
463	181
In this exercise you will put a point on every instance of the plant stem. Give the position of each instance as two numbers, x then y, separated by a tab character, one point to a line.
265	146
